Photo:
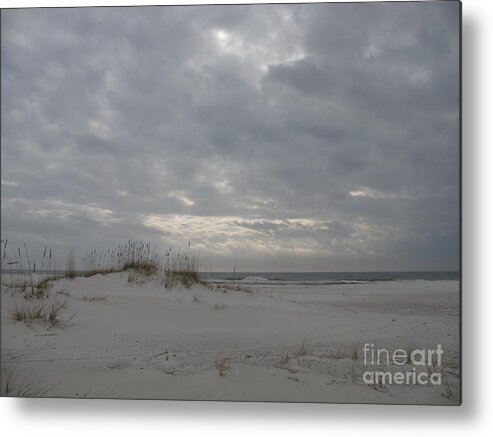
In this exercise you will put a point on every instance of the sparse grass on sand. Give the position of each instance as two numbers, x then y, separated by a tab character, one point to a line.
15	384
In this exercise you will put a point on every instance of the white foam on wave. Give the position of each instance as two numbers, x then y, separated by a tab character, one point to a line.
254	279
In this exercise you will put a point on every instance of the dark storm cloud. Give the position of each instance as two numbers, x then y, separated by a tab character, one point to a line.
274	137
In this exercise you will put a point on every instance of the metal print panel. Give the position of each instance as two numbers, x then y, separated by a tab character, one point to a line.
232	202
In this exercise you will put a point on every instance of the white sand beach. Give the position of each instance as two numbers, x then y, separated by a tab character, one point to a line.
121	339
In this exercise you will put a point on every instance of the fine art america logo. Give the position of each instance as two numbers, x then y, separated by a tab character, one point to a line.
415	366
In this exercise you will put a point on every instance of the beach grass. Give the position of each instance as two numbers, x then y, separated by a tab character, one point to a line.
36	310
140	259
16	384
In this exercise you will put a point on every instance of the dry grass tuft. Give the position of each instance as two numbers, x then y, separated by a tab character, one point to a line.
354	353
181	269
53	313
223	364
70	272
28	311
302	349
93	299
33	311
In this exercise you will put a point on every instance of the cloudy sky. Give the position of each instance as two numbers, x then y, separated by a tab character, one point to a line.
272	137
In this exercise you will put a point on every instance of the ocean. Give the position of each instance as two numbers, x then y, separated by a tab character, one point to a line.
325	278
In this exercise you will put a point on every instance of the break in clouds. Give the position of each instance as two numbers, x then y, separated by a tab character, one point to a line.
272	137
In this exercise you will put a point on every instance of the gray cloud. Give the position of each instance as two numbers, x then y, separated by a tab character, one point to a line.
273	137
